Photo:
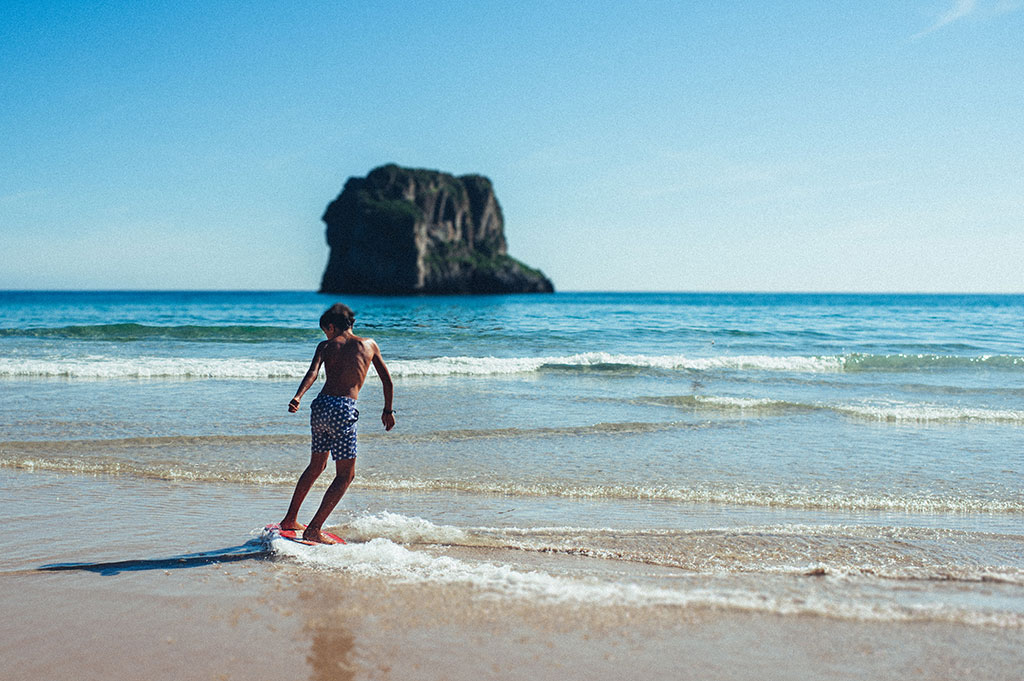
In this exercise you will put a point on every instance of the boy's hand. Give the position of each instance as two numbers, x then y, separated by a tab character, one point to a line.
388	419
293	406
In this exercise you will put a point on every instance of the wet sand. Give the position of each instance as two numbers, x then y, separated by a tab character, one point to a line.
146	603
254	621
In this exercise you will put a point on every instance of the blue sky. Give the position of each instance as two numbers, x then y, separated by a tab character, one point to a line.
769	146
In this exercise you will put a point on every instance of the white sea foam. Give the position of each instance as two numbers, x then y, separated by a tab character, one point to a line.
382	558
106	367
929	413
103	367
886	410
444	366
403	529
11	456
738	402
149	367
891	553
767	498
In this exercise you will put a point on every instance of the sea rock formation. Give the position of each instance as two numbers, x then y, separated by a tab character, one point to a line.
402	230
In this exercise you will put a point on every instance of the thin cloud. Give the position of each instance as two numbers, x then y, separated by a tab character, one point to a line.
961	9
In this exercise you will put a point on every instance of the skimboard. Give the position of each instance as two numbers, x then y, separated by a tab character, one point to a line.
274	530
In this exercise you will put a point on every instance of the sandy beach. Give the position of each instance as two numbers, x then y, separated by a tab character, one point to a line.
117	597
238	622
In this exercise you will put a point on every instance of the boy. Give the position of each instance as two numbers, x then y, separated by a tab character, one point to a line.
346	359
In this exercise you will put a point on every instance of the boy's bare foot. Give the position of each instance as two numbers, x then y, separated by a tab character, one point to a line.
292	525
317	536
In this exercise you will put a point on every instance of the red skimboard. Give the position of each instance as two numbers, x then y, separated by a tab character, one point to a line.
274	530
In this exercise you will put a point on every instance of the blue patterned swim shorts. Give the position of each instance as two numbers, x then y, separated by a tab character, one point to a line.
332	421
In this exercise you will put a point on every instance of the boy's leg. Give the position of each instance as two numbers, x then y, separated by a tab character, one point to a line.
317	463
346	471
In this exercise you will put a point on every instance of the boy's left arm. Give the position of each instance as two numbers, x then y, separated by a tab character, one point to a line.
387	417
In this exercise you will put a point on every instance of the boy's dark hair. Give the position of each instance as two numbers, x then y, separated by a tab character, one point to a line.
340	315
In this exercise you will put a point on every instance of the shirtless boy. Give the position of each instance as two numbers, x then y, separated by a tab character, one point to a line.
346	358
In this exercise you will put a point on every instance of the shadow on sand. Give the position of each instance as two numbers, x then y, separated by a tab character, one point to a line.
251	550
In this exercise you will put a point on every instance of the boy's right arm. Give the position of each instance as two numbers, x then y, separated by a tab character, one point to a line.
309	379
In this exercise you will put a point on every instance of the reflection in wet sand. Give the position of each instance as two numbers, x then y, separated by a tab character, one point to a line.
332	647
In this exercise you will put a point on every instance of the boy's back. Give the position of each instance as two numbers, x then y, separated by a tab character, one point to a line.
346	360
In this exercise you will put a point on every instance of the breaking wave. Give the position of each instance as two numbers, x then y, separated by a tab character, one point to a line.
731	496
882	411
384	547
884	552
106	367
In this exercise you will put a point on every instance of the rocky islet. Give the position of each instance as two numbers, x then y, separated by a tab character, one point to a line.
413	231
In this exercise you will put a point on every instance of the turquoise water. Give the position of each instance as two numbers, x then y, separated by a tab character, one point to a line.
739	440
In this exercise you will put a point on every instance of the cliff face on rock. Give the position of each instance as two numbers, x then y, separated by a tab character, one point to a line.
402	230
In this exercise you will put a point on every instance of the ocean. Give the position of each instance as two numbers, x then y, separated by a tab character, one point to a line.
850	457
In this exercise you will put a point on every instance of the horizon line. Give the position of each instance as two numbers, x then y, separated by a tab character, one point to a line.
540	295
